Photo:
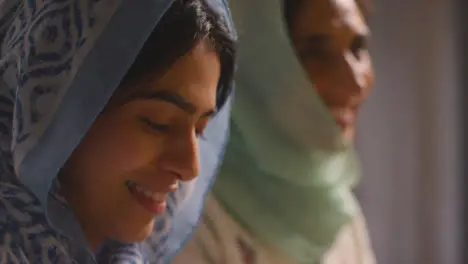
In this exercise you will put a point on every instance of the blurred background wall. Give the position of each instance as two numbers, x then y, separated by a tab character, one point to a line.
410	133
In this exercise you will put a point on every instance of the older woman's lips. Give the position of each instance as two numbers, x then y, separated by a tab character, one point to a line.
345	118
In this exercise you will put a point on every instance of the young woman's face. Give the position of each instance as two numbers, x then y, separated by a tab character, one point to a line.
141	146
330	38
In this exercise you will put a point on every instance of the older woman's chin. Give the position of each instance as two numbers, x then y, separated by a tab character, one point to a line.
349	134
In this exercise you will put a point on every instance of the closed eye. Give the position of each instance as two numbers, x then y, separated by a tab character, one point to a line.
165	128
358	44
199	132
200	128
155	126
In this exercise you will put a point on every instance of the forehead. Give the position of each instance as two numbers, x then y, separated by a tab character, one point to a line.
192	77
198	70
325	16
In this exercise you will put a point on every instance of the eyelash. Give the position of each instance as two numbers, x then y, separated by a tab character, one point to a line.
165	128
200	134
155	126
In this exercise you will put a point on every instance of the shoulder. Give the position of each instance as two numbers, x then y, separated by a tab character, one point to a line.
18	207
25	235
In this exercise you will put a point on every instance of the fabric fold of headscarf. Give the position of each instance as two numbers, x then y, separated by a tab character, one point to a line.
60	62
287	174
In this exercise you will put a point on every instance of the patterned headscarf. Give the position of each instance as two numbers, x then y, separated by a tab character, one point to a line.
58	68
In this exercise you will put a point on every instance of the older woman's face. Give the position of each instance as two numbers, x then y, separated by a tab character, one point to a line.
330	37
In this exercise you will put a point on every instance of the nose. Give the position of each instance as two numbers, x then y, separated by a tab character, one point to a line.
356	72
181	157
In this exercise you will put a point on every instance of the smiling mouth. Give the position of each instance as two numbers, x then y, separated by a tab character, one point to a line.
154	202
345	119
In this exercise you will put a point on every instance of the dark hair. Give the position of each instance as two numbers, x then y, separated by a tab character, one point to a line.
183	25
291	6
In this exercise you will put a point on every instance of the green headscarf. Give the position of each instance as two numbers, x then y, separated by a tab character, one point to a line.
288	173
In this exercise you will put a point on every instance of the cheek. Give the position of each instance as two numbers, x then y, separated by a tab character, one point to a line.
318	74
317	70
113	150
337	81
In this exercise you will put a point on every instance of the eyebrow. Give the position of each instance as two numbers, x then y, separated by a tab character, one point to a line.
175	99
314	40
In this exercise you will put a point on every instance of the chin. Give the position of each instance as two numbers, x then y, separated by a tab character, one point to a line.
134	234
348	135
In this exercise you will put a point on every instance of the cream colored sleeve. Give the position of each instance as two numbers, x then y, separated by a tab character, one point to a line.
352	245
216	242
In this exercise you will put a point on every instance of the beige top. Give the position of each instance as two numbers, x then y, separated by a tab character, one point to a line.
220	240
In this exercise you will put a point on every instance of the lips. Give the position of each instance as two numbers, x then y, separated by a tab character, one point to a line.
345	118
154	202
